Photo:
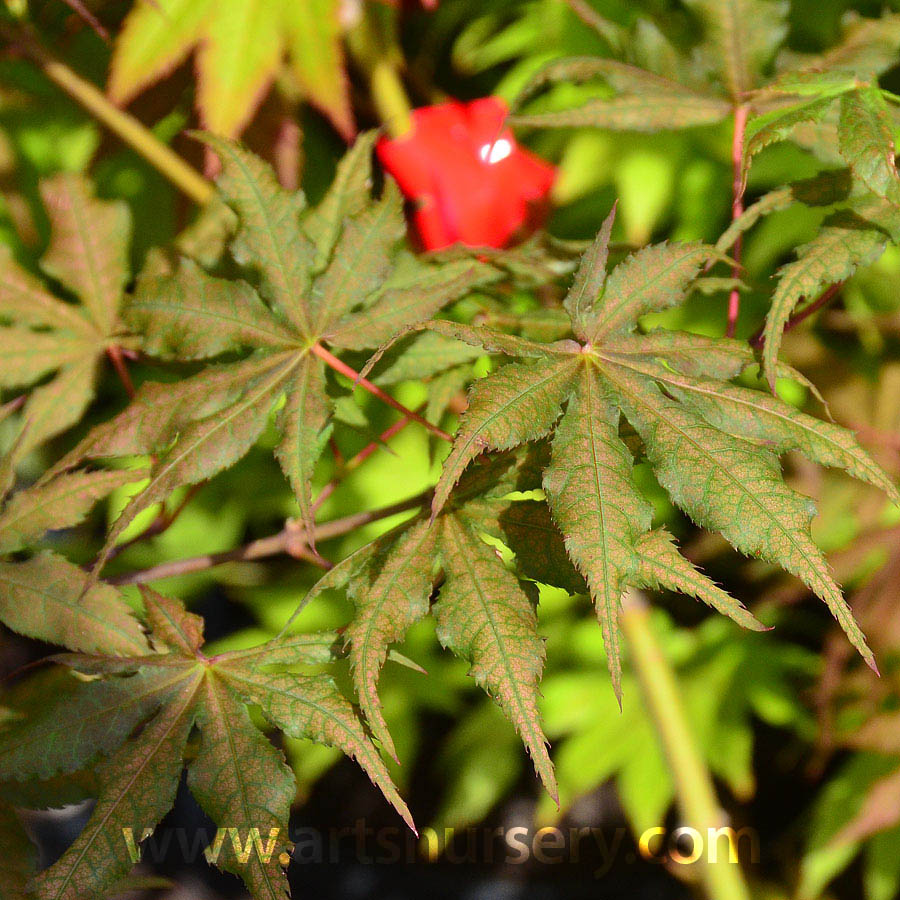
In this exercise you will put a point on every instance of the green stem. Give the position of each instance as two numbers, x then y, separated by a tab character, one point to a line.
140	138
722	879
376	54
390	98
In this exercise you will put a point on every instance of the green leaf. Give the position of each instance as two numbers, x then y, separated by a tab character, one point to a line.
846	242
59	503
239	777
361	261
651	279
29	355
742	36
303	423
868	48
160	412
590	278
596	504
180	631
660	565
87	253
237	58
778	124
425	355
866	141
638	112
712	446
337	274
777	425
139	713
153	41
496	341
519	403
239	47
78	724
139	784
388	601
208	445
45	598
310	706
24	299
346	197
88	250
313	34
191	315
733	487
644	101
483	615
270	239
405	303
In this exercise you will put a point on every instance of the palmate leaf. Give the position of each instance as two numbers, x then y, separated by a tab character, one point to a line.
236	775
483	612
43	334
866	140
851	237
239	45
47	597
50	599
58	503
712	445
741	38
336	275
643	101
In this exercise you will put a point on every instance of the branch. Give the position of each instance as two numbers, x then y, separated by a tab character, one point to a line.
289	540
824	298
339	366
737	208
722	879
356	461
140	138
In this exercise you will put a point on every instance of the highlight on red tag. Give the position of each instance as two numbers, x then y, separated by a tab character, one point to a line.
469	180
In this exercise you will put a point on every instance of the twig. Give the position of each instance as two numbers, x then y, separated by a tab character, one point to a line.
589	16
87	16
824	298
722	878
339	366
13	405
356	461
737	208
140	138
289	540
114	352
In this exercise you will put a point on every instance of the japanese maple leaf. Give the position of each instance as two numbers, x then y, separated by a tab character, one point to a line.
239	49
133	719
483	612
47	597
829	103
713	445
337	275
43	334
